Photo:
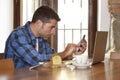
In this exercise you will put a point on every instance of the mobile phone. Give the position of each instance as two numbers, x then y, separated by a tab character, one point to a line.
83	37
81	45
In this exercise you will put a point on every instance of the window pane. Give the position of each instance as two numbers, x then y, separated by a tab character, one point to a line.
74	22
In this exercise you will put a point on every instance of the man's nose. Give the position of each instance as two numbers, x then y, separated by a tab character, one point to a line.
53	31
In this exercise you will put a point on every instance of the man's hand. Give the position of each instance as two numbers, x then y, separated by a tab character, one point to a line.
73	49
70	49
81	47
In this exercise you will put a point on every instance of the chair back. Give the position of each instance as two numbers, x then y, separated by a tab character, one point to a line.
6	66
1	55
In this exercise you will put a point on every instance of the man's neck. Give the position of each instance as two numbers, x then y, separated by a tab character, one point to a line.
34	29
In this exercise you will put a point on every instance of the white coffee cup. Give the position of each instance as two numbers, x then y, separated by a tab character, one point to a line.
81	59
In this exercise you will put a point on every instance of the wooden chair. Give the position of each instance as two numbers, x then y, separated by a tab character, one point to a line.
1	55
115	55
6	66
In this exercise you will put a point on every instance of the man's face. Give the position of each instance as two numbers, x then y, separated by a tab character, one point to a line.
48	29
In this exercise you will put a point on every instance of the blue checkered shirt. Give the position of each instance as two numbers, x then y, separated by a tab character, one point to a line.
20	46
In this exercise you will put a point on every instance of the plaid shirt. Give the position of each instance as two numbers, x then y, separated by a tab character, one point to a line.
20	46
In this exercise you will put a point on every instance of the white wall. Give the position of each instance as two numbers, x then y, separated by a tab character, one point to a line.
6	21
103	16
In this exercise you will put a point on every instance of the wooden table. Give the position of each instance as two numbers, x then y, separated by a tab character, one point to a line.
107	70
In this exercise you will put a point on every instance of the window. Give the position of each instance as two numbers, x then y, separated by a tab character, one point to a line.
27	9
74	22
87	24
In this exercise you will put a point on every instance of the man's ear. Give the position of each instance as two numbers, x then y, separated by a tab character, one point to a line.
39	22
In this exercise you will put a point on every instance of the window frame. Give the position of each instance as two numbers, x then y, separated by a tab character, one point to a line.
16	15
92	23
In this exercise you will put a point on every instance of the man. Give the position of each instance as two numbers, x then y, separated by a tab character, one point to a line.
27	44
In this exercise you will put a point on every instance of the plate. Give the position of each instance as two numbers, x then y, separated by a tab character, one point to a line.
80	66
50	65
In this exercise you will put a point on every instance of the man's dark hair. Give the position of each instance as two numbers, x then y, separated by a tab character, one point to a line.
45	13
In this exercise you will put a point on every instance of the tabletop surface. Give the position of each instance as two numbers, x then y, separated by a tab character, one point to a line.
107	70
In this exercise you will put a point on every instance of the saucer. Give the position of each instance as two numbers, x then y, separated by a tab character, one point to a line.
82	66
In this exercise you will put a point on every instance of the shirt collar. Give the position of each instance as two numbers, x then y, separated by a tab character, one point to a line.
27	25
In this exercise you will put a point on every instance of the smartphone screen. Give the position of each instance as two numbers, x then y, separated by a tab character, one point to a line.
81	45
83	37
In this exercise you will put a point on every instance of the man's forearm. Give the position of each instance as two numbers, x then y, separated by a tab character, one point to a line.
62	54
